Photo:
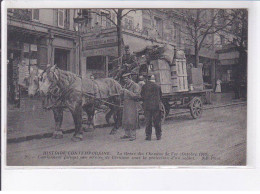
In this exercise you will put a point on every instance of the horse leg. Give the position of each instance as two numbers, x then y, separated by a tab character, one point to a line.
58	117
77	117
109	114
91	118
117	115
90	110
84	119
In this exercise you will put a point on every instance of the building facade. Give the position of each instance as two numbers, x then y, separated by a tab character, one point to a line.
140	28
40	37
85	41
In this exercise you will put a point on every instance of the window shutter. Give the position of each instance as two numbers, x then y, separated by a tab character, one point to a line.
61	18
56	17
36	14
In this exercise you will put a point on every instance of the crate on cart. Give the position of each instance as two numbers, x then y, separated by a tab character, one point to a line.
179	67
179	76
179	84
162	72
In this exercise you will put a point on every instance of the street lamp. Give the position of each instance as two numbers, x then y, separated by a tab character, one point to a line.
79	21
50	40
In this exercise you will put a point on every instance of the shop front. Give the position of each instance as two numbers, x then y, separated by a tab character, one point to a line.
27	48
227	68
24	49
97	55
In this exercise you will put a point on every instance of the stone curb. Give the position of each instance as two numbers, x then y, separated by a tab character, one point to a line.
45	135
49	134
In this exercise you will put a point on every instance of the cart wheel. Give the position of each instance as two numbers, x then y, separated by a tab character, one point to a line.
163	110
167	107
196	107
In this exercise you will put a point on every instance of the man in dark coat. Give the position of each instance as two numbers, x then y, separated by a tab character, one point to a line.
151	95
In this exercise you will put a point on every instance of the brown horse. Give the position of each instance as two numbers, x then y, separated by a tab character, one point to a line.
63	89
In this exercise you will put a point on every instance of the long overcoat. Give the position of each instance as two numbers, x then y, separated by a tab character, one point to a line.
130	108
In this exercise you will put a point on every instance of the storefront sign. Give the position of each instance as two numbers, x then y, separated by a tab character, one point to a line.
108	51
90	42
27	61
229	55
33	47
229	62
26	47
33	61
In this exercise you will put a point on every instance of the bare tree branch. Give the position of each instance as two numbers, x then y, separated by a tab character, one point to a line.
114	10
128	12
104	16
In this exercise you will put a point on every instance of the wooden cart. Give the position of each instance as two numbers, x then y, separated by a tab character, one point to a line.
177	94
192	100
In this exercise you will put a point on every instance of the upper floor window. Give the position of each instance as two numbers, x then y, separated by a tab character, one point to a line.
104	19
36	14
129	24
159	25
87	15
222	40
61	18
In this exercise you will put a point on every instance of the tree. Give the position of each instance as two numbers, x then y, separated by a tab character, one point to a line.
118	23
238	30
201	23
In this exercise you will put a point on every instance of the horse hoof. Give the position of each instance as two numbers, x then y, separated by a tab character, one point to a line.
90	129
57	135
113	132
85	129
77	138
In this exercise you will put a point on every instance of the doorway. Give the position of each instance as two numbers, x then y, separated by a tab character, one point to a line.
61	58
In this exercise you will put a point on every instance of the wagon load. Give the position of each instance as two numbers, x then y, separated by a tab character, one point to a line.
179	74
156	52
169	67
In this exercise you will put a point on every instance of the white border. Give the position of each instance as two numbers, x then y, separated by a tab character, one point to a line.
183	178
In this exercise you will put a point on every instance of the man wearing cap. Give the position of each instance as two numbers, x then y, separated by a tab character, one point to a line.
151	95
131	94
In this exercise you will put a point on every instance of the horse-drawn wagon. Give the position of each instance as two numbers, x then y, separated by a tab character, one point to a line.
182	85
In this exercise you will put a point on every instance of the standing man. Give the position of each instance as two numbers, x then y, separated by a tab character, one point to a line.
151	95
130	93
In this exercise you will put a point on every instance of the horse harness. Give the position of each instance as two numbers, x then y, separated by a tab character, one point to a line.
55	94
58	97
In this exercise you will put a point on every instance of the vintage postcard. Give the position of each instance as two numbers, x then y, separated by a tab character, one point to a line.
90	86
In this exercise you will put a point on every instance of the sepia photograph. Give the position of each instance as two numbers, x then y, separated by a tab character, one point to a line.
119	87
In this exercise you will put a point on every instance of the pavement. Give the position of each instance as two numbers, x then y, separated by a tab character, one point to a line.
218	138
30	121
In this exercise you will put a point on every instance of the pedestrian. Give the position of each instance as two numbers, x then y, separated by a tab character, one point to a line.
131	94
92	77
218	87
151	96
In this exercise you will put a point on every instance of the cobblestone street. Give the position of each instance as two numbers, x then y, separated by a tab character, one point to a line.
30	119
220	134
